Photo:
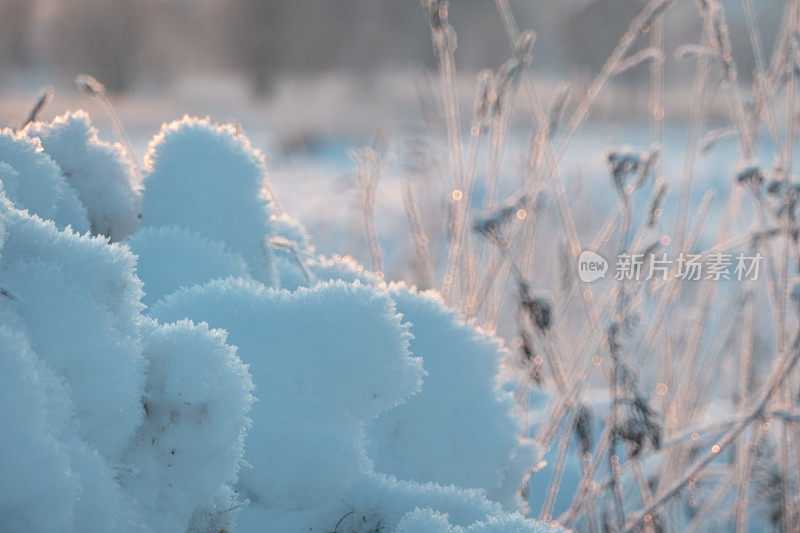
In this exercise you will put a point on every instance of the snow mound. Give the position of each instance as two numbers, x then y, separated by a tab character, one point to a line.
324	360
185	456
35	466
429	521
97	394
131	424
210	180
37	184
100	172
78	299
172	257
460	417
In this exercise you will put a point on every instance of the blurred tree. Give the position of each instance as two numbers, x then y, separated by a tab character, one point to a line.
16	19
259	32
102	38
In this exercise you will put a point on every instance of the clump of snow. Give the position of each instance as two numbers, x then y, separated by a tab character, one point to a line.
35	466
96	395
185	456
37	184
173	257
374	400
324	360
100	172
292	250
210	180
460	417
79	300
429	521
292	231
426	519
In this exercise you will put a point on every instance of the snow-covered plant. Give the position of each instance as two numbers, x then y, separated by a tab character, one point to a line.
461	417
374	400
182	461
33	181
208	179
171	257
99	172
107	414
326	360
429	447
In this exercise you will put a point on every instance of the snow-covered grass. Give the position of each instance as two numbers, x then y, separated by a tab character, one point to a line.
648	399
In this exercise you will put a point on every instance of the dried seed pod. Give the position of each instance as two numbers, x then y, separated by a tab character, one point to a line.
583	429
539	310
89	85
627	162
750	174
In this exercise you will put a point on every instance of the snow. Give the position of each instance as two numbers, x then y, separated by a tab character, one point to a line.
95	386
197	400
100	172
172	257
37	183
324	360
290	229
345	361
208	179
460	417
160	380
429	521
78	299
35	466
378	503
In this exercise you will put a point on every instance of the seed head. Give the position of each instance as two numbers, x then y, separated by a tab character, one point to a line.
89	85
